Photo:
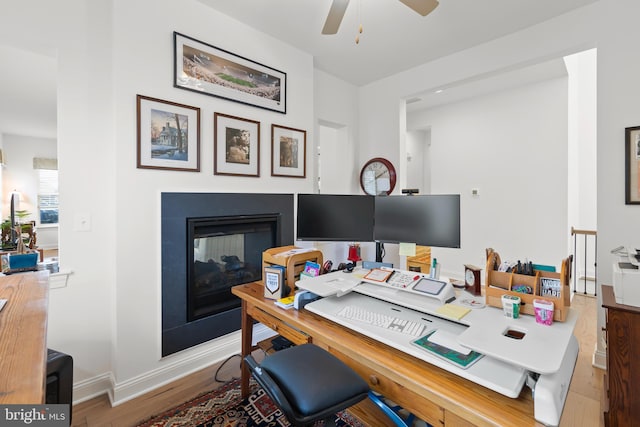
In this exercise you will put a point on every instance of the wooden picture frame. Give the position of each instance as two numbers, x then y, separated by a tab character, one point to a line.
632	165
288	152
168	135
203	68
236	146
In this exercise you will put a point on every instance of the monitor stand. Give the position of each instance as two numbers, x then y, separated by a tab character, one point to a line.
379	251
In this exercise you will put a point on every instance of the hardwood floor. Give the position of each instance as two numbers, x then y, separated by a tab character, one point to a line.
98	411
582	408
583	405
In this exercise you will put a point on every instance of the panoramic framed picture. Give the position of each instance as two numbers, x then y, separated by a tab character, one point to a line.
288	151
632	165
168	135
236	146
204	68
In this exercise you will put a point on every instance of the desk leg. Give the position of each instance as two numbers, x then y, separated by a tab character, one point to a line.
247	338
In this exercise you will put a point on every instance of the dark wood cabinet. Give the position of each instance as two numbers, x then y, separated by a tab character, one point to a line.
622	382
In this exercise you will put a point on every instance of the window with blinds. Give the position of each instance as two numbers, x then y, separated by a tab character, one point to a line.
48	196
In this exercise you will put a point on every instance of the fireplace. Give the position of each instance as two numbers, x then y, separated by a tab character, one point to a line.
224	252
210	243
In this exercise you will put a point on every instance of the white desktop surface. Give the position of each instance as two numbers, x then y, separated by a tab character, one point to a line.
541	350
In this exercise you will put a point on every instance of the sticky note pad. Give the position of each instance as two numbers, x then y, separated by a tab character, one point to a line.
453	311
408	249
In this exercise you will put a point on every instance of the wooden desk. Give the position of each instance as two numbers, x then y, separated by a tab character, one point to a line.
23	338
432	394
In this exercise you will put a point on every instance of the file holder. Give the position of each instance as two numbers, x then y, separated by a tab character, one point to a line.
293	259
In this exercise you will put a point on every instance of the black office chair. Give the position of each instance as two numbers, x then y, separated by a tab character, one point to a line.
310	384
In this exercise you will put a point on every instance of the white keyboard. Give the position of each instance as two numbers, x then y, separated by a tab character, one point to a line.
2	303
382	320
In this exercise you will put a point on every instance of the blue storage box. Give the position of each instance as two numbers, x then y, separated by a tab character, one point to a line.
23	260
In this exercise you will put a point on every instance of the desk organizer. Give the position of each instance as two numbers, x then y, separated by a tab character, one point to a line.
545	285
292	260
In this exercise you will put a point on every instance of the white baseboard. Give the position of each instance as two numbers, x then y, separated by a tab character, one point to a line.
599	359
173	370
93	387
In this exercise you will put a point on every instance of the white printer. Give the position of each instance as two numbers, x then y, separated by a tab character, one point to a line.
626	277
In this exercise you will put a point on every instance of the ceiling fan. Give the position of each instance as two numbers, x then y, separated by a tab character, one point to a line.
339	7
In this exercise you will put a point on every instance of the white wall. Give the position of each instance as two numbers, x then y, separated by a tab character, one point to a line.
108	317
336	110
500	143
336	106
418	160
607	24
19	174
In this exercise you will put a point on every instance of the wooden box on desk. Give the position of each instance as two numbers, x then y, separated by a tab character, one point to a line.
293	259
499	283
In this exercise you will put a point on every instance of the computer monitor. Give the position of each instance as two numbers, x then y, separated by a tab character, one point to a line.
331	217
428	220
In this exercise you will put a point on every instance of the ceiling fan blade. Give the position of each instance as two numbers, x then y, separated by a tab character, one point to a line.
334	18
423	7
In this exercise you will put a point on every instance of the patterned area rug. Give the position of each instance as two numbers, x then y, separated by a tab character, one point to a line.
224	407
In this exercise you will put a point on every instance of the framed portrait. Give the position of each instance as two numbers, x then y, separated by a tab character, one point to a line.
203	68
168	135
236	146
632	165
288	152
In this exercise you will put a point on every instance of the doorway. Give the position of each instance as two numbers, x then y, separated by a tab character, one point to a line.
28	132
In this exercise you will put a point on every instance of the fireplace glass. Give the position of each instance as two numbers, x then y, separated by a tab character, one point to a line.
225	252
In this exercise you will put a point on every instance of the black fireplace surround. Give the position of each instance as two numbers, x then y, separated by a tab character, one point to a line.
180	329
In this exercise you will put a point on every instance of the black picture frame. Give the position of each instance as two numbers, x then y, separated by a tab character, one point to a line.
632	165
204	68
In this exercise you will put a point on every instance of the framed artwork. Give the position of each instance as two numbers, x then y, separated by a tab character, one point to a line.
632	166
288	152
201	67
168	135
236	146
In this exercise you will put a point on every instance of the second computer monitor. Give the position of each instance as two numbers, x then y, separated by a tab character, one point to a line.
428	220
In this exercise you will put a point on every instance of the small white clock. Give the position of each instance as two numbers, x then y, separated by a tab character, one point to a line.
472	279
